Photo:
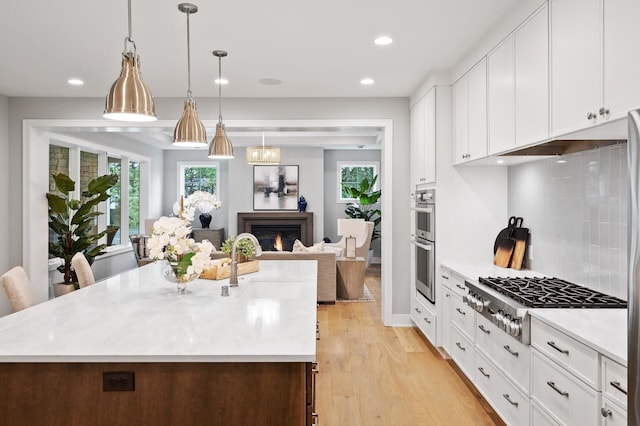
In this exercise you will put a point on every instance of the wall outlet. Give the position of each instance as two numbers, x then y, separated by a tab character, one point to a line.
114	381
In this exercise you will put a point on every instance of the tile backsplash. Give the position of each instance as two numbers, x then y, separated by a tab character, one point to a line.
575	207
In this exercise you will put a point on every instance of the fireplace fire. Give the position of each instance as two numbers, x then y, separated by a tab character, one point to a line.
278	244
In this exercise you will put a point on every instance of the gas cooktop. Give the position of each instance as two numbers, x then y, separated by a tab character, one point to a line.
542	292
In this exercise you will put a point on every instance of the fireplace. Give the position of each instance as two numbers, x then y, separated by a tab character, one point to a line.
272	236
266	226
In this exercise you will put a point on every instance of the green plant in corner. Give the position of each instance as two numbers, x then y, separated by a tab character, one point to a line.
72	221
363	208
245	247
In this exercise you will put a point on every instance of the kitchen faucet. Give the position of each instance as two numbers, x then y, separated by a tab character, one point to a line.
233	274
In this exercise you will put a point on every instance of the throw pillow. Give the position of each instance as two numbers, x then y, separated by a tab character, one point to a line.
298	247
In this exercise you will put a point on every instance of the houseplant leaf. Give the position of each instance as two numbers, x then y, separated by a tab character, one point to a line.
64	183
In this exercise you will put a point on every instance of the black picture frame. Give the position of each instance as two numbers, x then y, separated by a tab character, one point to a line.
276	188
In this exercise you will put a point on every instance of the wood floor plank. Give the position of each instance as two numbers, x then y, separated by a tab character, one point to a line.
376	375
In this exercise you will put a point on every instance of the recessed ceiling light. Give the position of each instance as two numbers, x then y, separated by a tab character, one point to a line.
270	81
500	161
221	81
75	82
561	161
383	41
366	81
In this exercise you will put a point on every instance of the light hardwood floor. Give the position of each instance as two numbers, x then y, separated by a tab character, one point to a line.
376	375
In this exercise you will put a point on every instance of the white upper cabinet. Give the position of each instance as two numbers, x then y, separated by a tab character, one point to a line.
470	114
501	97
531	42
423	139
621	58
593	67
576	70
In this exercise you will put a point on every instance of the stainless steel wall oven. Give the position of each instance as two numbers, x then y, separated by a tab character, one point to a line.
425	243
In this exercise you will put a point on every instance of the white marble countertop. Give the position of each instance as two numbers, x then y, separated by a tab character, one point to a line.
604	330
136	317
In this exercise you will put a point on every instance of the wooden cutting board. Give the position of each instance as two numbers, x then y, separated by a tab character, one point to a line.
222	269
521	237
505	246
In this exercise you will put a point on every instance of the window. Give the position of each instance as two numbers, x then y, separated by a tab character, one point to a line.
198	176
83	163
351	174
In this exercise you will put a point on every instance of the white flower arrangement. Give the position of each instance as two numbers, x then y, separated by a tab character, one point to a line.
203	201
170	240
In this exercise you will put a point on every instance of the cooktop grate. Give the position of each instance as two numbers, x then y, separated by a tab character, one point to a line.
545	292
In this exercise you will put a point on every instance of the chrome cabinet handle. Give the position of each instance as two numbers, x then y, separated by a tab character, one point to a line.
460	346
315	367
444	277
481	327
603	111
461	287
605	412
511	351
447	295
554	346
591	115
616	385
427	320
508	398
461	312
553	386
417	310
480	369
315	419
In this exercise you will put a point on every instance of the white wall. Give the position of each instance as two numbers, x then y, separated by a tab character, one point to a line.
395	109
5	205
576	212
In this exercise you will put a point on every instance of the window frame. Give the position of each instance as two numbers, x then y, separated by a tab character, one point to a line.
181	165
342	164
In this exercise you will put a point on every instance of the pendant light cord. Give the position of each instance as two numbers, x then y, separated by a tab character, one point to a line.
128	39
188	58
220	89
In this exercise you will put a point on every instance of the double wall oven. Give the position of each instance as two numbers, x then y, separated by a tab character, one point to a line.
424	241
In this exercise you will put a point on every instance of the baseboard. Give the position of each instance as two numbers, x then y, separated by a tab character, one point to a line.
401	320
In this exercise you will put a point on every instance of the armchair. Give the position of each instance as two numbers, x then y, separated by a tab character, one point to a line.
361	230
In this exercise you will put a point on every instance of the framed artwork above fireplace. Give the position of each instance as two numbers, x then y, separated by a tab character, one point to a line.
275	188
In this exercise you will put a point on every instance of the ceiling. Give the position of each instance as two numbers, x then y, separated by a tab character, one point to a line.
317	49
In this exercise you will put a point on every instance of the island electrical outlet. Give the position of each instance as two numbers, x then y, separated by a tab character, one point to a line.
114	381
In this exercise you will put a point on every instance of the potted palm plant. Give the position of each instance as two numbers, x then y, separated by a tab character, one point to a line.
72	223
366	197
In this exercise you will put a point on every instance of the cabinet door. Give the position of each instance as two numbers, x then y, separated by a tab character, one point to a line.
461	120
576	79
501	97
478	111
532	79
621	60
417	142
429	154
446	319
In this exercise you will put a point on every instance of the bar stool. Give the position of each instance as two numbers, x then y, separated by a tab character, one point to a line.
83	270
18	288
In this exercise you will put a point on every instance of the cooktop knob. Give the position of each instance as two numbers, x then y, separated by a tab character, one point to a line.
479	304
515	328
505	320
497	318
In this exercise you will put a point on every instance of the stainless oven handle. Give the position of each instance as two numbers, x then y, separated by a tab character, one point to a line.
422	246
423	209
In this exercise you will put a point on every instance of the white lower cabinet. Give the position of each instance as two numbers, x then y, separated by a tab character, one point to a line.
463	316
614	382
423	316
540	418
505	397
562	394
463	351
612	414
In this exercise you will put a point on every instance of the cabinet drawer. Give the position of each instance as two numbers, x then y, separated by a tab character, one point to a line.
424	318
510	355
568	352
614	381
445	277
506	399
462	351
457	285
562	394
464	317
612	414
540	418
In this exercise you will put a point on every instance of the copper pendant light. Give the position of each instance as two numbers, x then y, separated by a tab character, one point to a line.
189	131
220	146
129	98
263	155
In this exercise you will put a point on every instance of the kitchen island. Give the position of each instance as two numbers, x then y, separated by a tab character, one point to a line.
128	350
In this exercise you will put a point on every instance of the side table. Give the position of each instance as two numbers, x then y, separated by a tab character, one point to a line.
214	235
350	277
